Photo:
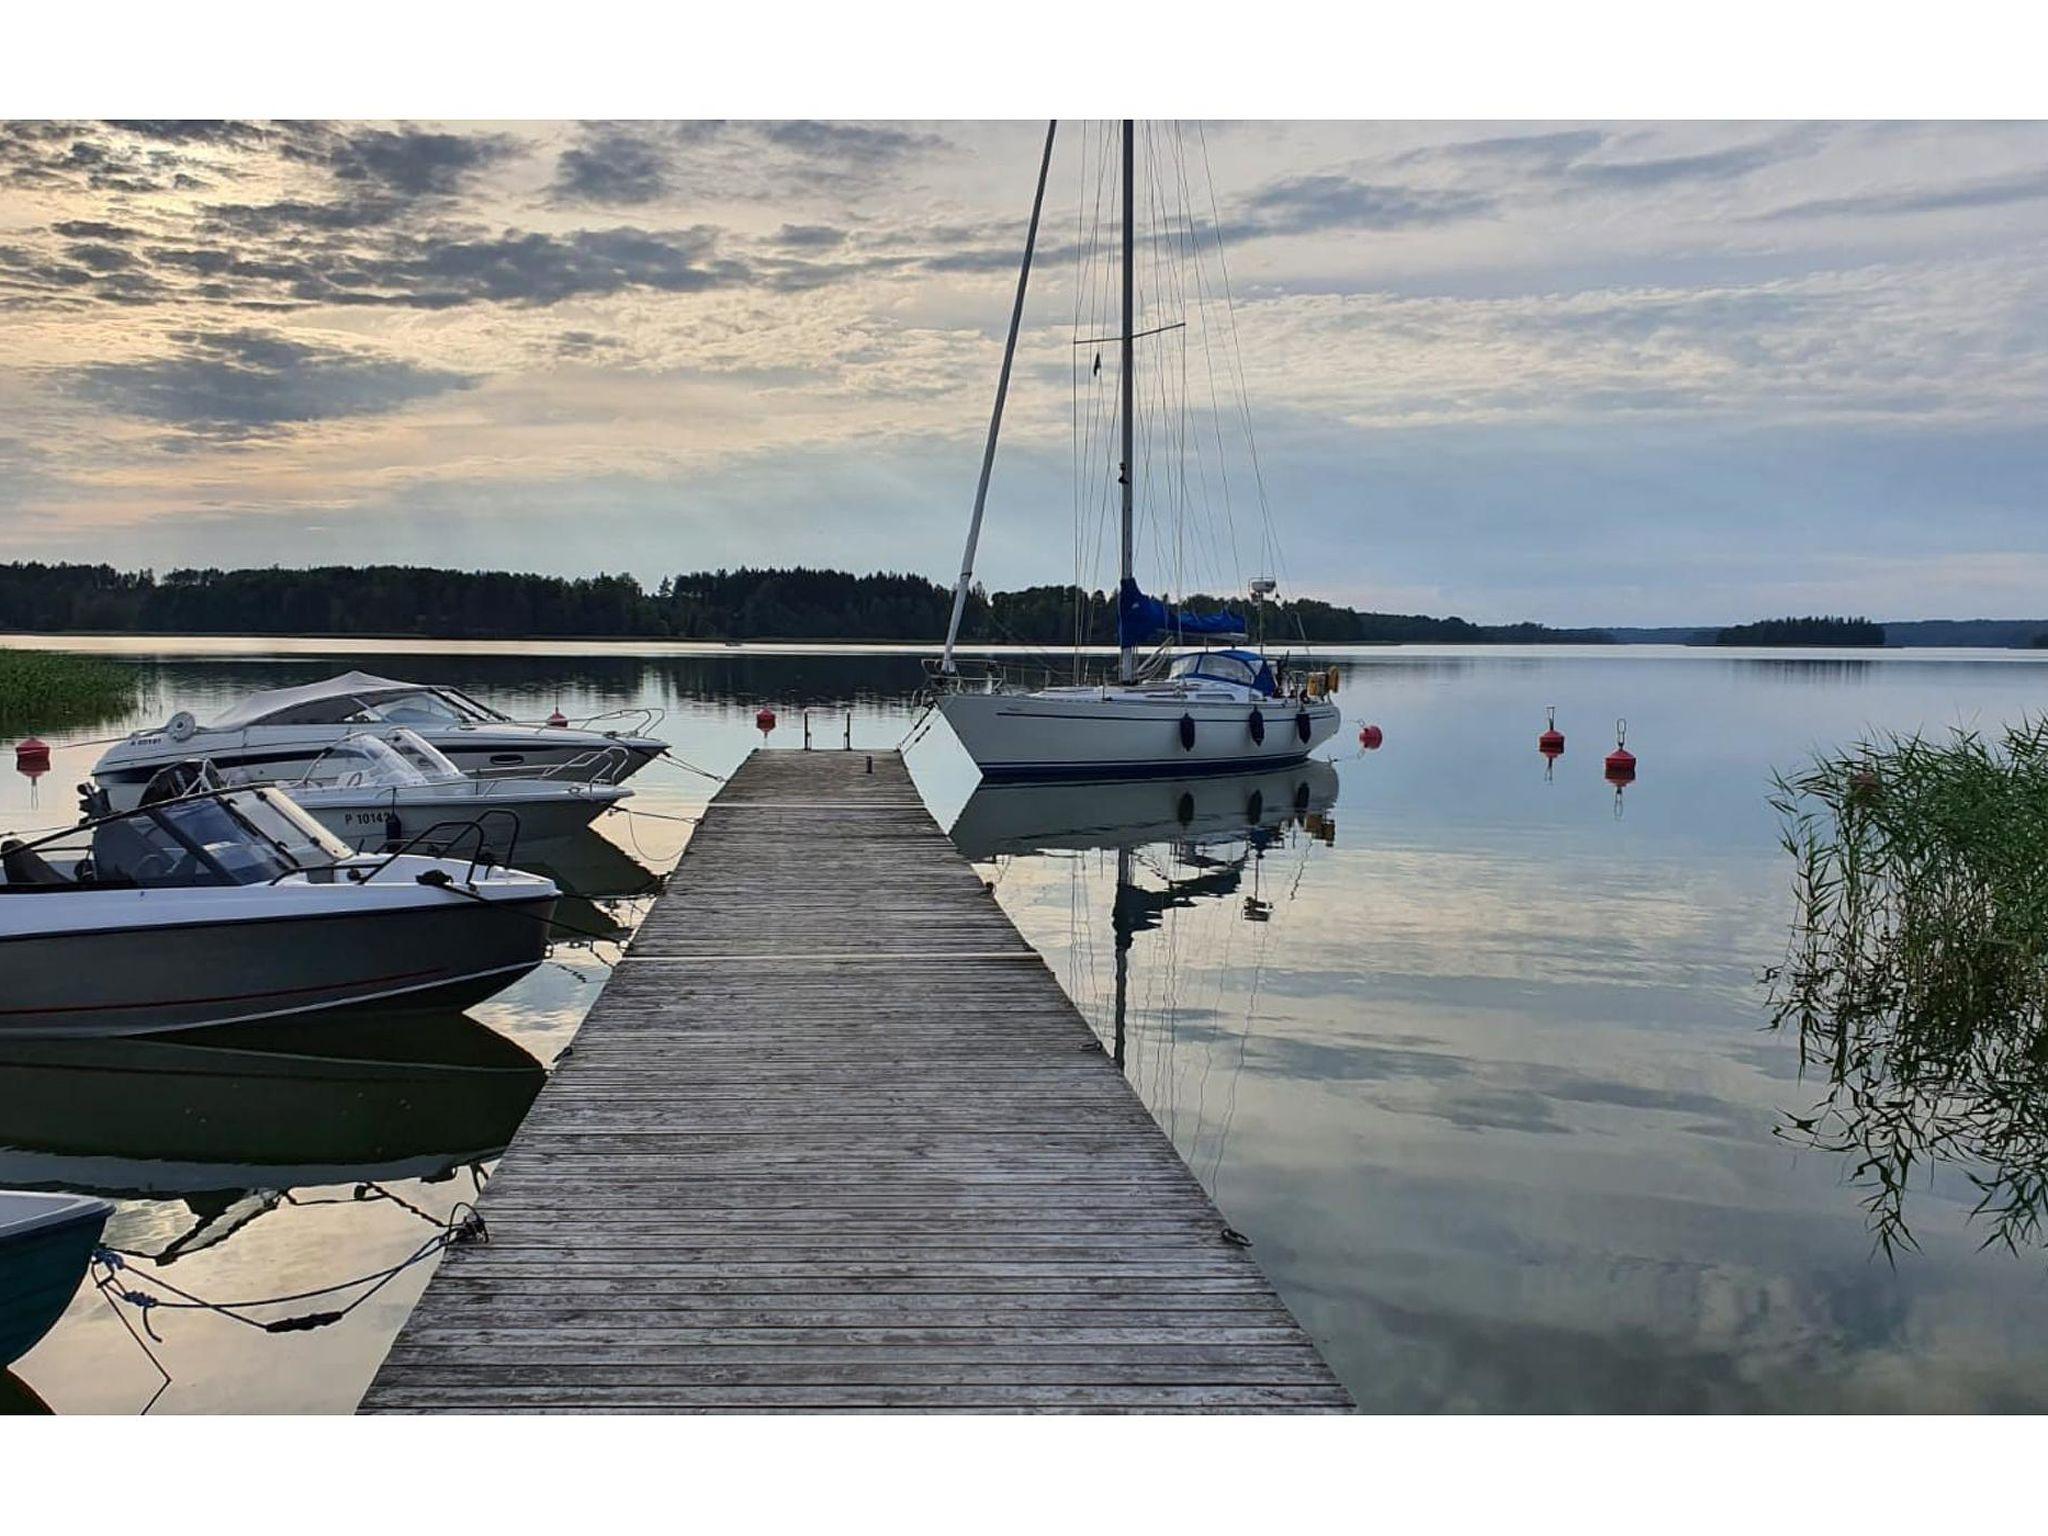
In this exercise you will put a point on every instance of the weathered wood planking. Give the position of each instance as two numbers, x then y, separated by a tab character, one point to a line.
833	1138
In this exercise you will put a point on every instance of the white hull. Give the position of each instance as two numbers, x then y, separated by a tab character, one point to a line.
125	961
1083	733
284	752
368	818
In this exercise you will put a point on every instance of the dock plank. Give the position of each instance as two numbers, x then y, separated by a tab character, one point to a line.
833	1139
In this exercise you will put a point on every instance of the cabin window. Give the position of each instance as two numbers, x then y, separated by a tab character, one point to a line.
1217	667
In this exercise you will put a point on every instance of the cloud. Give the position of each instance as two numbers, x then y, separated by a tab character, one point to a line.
1553	150
1726	164
438	272
616	165
1580	160
92	229
1330	201
413	163
811	237
227	386
846	143
1989	192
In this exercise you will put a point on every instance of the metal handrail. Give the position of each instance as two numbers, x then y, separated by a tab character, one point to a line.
474	824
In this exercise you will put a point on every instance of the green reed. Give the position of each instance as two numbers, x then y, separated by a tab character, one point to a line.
1917	971
44	689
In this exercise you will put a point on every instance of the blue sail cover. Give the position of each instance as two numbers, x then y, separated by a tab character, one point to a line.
1141	619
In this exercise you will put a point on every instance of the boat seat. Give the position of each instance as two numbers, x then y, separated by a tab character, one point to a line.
22	865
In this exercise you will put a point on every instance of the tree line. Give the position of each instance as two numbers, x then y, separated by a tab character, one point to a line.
1812	630
748	603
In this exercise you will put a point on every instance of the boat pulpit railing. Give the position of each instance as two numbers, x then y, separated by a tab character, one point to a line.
647	717
604	765
443	839
600	765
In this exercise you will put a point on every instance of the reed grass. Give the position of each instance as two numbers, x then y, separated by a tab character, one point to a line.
1917	972
44	689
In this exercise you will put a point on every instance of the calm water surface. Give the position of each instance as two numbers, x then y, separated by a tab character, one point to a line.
1472	1048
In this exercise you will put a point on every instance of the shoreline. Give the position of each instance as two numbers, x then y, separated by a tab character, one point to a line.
275	646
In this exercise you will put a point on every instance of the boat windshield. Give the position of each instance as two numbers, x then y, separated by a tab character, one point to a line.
429	706
363	761
427	760
223	840
276	816
142	849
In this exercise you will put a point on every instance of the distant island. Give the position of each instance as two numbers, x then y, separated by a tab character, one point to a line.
1806	631
770	603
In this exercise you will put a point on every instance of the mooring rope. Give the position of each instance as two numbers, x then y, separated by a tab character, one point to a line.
109	1264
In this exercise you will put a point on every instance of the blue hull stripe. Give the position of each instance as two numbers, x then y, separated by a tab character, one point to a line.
1155	768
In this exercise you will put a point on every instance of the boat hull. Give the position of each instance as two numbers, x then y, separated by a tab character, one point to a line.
1077	734
140	979
42	1259
366	819
285	752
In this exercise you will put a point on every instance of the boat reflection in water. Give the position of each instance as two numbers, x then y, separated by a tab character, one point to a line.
230	1120
1003	819
1178	845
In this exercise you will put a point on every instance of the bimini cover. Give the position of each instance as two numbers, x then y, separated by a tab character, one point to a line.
259	707
1141	619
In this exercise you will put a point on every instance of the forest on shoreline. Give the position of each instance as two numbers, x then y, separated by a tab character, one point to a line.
779	603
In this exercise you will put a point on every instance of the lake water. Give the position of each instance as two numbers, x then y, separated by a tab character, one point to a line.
1471	1045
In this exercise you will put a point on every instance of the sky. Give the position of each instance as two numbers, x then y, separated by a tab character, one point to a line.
1628	373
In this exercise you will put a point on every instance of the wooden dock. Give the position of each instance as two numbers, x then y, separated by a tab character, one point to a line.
833	1138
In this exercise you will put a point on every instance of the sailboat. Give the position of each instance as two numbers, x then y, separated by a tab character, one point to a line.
1223	708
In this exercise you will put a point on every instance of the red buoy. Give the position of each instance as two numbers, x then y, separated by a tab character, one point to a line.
764	720
1621	763
558	719
32	757
1551	742
1370	737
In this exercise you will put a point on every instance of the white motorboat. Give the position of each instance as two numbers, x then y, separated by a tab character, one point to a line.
1213	711
46	1240
388	786
226	905
282	732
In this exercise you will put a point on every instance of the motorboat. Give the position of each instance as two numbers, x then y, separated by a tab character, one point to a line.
233	904
282	732
46	1240
1168	713
388	786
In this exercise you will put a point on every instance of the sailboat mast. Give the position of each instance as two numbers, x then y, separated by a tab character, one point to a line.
1126	661
995	423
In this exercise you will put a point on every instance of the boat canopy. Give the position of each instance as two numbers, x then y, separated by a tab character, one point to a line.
1247	669
1141	619
353	695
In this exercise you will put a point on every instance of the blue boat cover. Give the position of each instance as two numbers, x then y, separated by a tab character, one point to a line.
1141	619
